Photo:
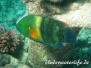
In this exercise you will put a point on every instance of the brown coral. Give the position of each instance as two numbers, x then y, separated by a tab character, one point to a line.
7	40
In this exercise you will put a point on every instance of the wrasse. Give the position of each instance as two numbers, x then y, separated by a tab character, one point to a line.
47	31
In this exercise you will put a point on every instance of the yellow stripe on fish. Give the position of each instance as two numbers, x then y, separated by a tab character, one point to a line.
34	31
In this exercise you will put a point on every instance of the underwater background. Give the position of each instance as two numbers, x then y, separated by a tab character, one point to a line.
18	51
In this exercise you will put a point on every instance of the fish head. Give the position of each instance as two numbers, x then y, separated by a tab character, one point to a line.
27	27
23	25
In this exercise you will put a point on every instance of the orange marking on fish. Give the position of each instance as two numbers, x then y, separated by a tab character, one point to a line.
33	33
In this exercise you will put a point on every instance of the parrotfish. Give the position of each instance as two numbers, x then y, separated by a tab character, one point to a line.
47	31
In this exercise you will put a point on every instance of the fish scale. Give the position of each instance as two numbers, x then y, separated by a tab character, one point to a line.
51	32
45	32
55	32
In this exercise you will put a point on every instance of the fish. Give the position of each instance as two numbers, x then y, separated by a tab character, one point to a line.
45	30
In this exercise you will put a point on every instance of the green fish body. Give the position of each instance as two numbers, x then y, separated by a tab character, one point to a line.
46	30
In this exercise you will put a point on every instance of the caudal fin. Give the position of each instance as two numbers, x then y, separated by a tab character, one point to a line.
69	36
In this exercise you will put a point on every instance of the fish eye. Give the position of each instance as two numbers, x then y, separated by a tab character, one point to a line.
20	24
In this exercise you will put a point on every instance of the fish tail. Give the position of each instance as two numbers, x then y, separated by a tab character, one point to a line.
69	36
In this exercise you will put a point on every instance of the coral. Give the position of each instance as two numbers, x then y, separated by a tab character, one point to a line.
10	11
84	38
7	40
82	55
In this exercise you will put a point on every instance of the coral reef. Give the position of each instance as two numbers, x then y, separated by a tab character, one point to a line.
7	40
34	55
10	11
84	38
82	54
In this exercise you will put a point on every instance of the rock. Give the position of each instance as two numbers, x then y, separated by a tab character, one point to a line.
71	13
4	59
40	53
